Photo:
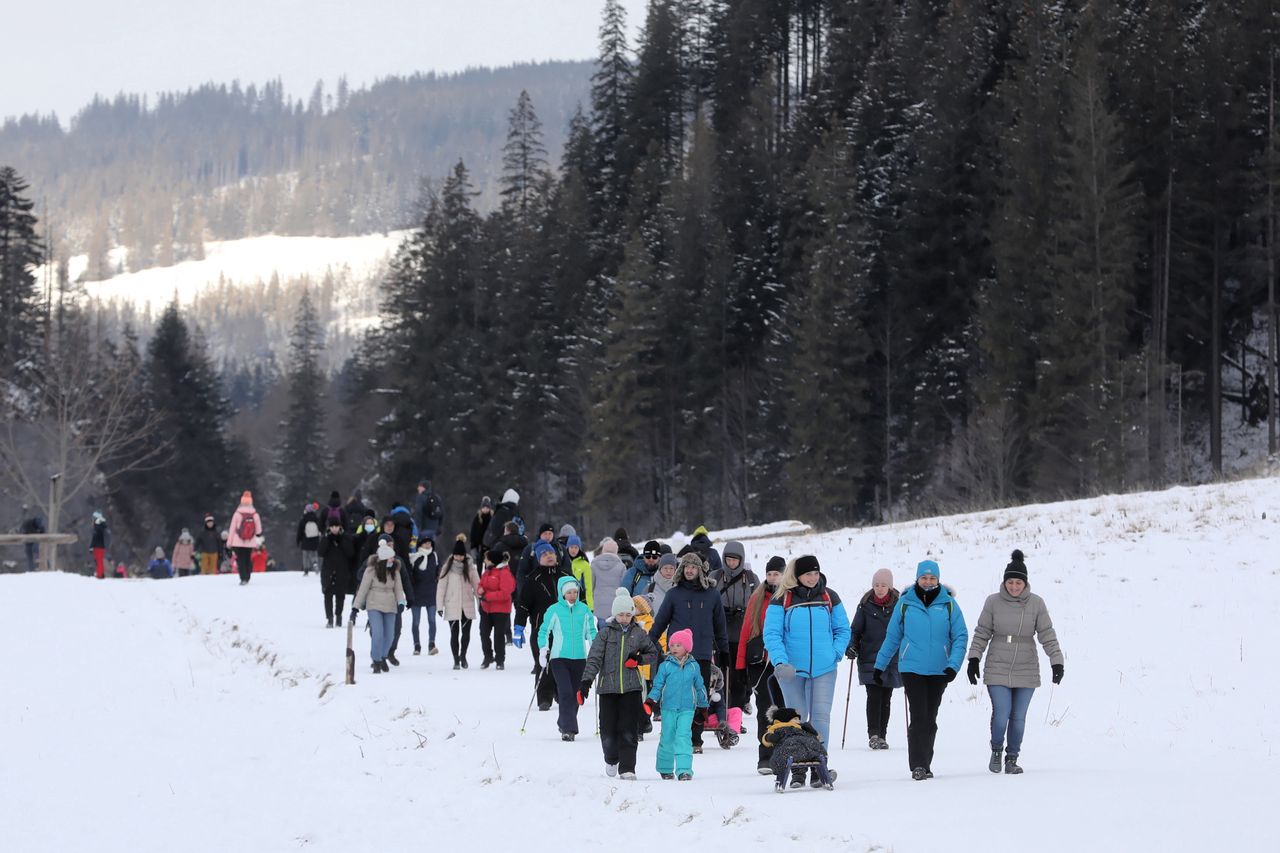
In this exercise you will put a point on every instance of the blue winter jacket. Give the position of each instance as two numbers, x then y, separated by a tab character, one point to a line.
571	629
931	639
811	634
679	687
636	581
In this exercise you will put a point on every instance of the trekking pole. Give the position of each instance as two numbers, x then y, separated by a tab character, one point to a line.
532	698
1052	688
852	666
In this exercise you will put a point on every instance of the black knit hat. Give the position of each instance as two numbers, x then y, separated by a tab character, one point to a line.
546	528
807	563
775	564
459	548
652	548
1017	567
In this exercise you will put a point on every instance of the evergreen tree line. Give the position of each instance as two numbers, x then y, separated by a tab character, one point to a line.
846	260
221	162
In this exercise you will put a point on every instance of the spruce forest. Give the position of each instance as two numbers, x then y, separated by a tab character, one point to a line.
837	260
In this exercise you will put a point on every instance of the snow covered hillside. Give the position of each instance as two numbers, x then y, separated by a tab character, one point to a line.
200	715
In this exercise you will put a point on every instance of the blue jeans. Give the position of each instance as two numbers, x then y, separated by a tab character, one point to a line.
431	625
383	627
811	698
1009	711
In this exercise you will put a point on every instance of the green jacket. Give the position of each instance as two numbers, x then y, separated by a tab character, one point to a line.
581	568
571	628
609	653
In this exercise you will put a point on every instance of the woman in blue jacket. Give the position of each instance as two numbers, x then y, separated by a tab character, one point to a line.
928	630
806	632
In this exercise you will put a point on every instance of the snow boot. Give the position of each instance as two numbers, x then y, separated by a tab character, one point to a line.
499	667
611	770
457	665
798	777
778	786
1011	765
567	737
919	774
377	667
667	776
994	764
627	777
685	777
337	619
542	706
815	779
697	749
432	650
385	668
726	738
464	663
764	769
391	658
417	650
330	623
486	663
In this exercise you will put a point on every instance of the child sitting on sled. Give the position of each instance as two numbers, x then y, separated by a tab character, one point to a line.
796	747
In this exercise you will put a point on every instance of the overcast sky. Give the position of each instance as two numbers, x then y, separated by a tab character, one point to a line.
59	53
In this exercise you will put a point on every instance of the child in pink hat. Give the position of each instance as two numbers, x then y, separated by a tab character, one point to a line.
679	692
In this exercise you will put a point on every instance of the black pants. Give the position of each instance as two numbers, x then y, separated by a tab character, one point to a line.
878	699
244	562
494	628
333	605
620	715
395	638
568	676
705	667
738	689
767	694
924	697
458	644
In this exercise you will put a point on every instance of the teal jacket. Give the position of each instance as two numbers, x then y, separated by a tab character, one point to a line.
679	687
571	628
931	638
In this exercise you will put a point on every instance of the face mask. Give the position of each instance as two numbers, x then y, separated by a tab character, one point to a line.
426	549
368	528
385	551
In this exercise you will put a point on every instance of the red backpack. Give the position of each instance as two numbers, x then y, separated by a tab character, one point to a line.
247	528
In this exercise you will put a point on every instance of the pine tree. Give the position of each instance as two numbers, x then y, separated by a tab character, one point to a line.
304	459
524	161
20	254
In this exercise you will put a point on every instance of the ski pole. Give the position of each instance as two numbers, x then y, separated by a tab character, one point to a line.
852	666
1052	688
537	681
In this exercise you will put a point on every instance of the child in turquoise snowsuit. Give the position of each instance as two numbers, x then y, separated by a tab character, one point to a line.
679	692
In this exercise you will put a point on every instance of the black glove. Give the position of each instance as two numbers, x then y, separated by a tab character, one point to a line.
851	653
973	671
399	608
636	656
584	689
1057	673
950	674
354	611
878	677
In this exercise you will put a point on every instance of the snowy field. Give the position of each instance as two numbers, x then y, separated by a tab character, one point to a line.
197	715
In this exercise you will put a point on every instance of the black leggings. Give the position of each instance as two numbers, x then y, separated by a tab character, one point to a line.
244	563
768	694
924	698
878	699
459	649
333	605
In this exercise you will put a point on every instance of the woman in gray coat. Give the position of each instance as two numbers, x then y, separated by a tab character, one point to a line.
1011	621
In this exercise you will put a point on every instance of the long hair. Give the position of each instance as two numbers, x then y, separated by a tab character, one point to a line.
789	580
381	569
755	604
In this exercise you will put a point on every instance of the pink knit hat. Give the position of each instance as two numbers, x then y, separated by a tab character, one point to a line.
682	638
882	576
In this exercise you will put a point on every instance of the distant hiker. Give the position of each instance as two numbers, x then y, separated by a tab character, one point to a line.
701	542
618	652
32	525
424	569
184	554
261	559
99	542
640	575
308	538
209	545
159	568
752	664
580	566
497	586
456	600
679	693
529	559
870	624
1012	619
929	629
244	534
428	510
568	627
626	551
806	632
356	510
336	551
364	541
508	509
479	525
514	543
607	570
382	592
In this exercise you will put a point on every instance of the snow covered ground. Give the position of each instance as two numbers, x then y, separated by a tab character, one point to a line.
198	715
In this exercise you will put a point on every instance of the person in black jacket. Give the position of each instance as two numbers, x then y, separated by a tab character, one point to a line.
364	542
308	538
529	561
479	525
540	591
693	603
508	509
209	546
336	550
424	570
870	623
356	511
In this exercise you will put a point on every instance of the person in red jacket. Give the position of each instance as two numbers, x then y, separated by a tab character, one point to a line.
753	665
497	586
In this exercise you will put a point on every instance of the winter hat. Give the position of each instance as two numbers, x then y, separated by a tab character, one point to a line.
97	516
652	549
511	496
668	560
386	537
701	530
158	554
546	528
499	554
782	715
608	546
735	549
882	576
542	548
459	548
807	563
185	535
335	499
621	534
486	501
574	541
1017	567
207	517
683	638
246	499
775	564
567	530
928	567
692	559
642	605
622	603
